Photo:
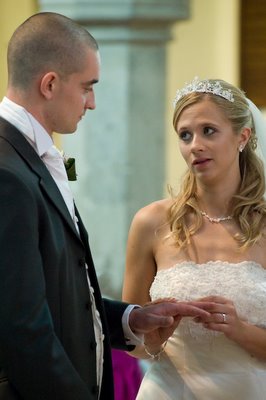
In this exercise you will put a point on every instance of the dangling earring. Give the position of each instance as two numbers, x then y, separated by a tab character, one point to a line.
241	148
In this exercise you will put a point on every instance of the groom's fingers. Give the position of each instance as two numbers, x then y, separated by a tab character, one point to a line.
164	314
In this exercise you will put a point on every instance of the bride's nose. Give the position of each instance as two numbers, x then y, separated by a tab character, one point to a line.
197	143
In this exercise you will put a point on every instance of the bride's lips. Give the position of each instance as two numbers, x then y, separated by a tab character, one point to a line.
201	162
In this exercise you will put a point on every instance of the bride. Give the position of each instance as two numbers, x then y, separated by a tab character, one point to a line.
207	242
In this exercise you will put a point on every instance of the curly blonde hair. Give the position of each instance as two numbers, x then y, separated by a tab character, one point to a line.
248	205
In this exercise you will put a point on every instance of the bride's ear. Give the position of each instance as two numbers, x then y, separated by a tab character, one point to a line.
244	138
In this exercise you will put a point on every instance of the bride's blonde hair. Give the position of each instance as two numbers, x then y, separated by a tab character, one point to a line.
248	205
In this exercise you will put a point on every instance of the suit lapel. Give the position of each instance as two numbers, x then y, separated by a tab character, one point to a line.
29	155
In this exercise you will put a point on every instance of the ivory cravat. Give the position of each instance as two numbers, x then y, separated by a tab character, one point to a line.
54	162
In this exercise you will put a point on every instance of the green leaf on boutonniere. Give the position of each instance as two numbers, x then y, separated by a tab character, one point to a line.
70	169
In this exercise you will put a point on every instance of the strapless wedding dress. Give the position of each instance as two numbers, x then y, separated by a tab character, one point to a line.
199	364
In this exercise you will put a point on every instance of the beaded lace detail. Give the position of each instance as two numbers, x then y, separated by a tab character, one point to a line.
244	283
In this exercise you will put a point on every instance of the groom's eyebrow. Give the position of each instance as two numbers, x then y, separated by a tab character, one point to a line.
92	82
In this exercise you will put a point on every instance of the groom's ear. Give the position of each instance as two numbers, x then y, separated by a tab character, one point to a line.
49	84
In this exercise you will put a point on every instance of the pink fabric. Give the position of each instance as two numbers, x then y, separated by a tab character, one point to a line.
127	375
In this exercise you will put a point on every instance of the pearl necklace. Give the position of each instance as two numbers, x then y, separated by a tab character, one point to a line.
216	220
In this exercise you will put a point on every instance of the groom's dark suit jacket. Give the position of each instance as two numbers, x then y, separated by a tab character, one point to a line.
47	343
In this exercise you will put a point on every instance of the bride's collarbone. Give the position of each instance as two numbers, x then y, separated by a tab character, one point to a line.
211	243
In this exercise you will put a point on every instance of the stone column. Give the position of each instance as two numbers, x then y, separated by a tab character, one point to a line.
119	147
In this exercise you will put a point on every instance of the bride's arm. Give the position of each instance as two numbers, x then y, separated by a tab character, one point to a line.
140	262
140	265
253	340
140	272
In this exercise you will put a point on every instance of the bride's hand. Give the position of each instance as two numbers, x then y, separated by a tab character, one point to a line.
223	316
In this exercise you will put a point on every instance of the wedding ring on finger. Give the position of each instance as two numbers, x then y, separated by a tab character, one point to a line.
224	317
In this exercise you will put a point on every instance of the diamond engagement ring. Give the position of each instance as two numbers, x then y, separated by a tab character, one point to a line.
224	318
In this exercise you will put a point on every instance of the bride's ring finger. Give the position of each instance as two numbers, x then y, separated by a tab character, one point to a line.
224	318
220	318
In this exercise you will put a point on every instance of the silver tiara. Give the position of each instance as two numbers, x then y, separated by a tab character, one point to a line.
204	86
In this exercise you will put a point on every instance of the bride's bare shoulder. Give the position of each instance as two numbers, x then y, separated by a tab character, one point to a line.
154	213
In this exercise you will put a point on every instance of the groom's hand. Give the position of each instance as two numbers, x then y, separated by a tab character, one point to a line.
158	320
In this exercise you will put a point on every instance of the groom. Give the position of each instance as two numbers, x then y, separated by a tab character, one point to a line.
55	329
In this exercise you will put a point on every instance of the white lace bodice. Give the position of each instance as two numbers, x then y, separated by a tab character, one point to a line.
200	364
244	283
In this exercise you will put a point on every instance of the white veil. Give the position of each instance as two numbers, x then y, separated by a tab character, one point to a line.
260	128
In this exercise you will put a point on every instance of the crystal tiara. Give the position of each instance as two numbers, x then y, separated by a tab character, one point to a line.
204	86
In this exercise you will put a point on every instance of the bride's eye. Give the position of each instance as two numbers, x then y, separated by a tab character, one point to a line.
208	130
185	136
